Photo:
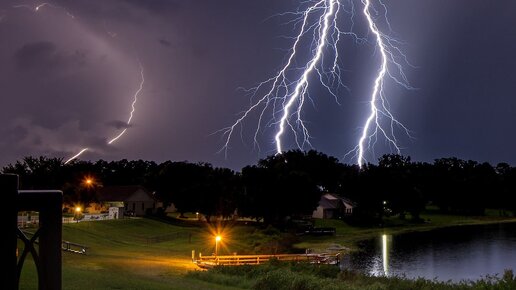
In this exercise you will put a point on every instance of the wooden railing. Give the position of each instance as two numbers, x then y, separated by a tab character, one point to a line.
47	252
236	260
65	245
73	247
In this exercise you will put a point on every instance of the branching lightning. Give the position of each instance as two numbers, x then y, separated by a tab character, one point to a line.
379	106
284	94
285	98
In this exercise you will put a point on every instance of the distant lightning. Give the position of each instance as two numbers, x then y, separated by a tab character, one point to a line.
284	94
133	108
131	114
76	155
37	8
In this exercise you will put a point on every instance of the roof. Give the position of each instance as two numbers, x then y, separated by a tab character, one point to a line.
119	193
333	201
328	203
330	196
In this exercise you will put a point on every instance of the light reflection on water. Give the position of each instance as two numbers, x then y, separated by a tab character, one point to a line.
448	254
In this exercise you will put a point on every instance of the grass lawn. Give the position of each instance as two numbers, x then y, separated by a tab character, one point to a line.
123	254
149	254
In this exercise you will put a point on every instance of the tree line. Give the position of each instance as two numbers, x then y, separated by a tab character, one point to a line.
289	185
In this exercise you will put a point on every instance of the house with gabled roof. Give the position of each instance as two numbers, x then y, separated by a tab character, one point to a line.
131	200
333	206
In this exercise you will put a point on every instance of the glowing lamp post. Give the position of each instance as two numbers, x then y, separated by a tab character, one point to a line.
217	240
77	213
88	182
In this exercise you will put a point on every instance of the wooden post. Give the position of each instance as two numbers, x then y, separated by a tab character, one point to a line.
51	220
9	225
49	205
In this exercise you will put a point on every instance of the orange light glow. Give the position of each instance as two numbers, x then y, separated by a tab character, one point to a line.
88	181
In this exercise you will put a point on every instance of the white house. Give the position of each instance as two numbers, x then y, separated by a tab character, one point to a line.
129	200
333	206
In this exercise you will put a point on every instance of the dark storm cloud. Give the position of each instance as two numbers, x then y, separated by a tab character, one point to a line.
64	81
117	124
157	6
165	42
44	55
36	138
37	54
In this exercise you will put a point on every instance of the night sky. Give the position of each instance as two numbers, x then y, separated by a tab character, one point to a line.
68	73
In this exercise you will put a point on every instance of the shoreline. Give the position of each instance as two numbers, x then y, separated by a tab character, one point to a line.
350	236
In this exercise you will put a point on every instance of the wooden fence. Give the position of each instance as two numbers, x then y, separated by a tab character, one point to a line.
236	260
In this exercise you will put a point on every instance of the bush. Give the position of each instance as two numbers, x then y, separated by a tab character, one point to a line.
303	276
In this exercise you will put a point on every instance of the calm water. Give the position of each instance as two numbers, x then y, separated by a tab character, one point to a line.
468	252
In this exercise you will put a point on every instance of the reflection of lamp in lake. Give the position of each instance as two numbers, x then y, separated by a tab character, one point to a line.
385	254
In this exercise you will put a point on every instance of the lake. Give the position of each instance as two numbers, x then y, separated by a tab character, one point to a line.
456	253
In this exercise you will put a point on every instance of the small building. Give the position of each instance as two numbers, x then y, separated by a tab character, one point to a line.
333	206
127	200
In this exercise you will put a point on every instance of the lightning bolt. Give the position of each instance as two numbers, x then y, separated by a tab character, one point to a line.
38	8
285	94
76	155
131	114
285	97
379	105
133	108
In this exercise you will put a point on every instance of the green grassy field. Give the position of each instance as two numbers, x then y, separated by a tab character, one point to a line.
123	254
149	254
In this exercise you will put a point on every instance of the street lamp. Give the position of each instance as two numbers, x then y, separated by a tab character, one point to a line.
217	240
88	181
77	213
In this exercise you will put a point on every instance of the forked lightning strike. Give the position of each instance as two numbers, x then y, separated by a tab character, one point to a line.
285	98
284	94
379	106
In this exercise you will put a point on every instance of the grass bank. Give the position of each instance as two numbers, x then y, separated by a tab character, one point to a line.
149	254
129	254
347	235
326	277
